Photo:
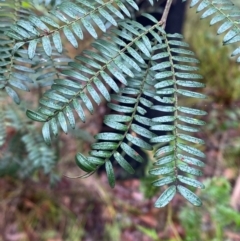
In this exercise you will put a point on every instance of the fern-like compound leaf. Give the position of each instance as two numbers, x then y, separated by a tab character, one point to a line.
15	67
173	82
81	82
226	13
73	18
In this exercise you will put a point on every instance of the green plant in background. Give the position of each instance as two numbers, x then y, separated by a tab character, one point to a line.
221	90
25	150
138	63
215	211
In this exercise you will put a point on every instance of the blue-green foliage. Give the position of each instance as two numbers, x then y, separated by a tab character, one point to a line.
225	14
138	64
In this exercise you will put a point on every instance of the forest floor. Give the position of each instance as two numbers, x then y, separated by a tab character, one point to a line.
89	210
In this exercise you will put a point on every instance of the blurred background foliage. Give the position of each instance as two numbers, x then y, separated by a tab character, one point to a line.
38	203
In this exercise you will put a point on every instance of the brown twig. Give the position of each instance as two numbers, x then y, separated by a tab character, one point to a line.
165	13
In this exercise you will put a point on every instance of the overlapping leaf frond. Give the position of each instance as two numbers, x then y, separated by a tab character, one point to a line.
39	156
26	154
129	125
17	71
226	13
48	68
26	150
175	160
129	106
165	65
11	11
137	63
76	87
14	66
68	17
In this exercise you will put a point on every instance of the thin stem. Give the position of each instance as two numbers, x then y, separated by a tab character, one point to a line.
175	132
170	224
165	13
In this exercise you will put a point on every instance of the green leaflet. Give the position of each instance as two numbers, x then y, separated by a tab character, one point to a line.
70	116
79	110
107	16
115	125
109	136
95	160
110	173
62	122
70	37
101	154
120	108
131	152
165	138
163	119
18	84
190	196
83	163
190	181
163	181
142	131
77	30
191	139
163	150
104	145
190	170
109	81
187	128
54	126
13	94
46	46
166	197
102	89
164	108
87	102
190	150
191	84
191	94
32	48
46	133
35	116
163	127
161	171
164	160
123	163
117	118
139	142
94	94
161	66
191	111
190	120
90	28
